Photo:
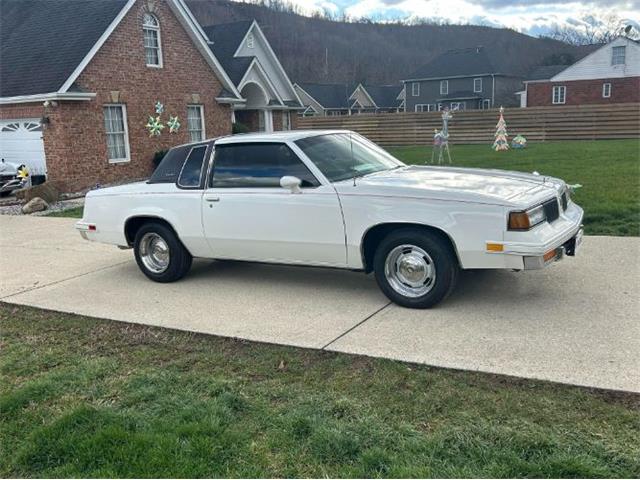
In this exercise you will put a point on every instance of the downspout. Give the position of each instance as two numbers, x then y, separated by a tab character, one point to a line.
493	90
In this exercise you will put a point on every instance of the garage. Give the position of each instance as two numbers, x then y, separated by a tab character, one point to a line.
21	143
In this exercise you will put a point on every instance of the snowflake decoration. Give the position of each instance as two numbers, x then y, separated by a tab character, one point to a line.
155	126
159	108
173	124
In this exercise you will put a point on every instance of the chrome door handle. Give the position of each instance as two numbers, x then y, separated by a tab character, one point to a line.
213	199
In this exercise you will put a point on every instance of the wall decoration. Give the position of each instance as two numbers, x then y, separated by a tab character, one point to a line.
155	126
501	143
173	124
159	108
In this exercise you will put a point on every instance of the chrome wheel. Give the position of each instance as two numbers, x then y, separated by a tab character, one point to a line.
154	252
410	271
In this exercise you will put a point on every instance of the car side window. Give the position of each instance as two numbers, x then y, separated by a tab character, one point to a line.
171	165
257	165
192	170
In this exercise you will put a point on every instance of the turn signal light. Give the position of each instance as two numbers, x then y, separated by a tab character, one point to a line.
495	247
519	221
550	255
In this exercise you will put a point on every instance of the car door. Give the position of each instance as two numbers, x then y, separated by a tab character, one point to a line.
247	215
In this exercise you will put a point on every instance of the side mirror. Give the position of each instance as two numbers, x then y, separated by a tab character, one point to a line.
291	183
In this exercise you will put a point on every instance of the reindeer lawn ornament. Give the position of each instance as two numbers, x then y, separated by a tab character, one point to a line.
441	139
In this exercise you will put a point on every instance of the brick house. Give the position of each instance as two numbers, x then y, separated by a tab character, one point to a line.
610	74
80	80
247	56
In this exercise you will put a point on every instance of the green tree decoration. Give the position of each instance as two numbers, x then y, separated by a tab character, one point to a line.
501	143
155	126
173	124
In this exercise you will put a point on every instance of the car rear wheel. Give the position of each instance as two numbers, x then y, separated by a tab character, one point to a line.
415	268
160	254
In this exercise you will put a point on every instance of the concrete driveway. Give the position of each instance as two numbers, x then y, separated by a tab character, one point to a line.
577	322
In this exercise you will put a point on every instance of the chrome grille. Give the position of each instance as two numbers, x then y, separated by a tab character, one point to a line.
551	209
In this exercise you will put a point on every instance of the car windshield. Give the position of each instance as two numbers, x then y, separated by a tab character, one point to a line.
341	156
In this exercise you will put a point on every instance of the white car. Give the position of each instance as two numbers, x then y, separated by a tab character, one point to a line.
334	199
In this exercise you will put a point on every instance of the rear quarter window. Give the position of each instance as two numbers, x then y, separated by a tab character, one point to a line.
173	162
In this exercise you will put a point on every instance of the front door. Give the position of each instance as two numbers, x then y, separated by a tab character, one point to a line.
247	215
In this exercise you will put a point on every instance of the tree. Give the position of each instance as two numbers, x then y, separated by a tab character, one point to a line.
501	143
594	30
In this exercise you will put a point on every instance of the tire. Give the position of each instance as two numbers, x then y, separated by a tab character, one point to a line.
415	268
152	240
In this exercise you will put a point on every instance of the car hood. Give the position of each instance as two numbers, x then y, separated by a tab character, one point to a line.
460	184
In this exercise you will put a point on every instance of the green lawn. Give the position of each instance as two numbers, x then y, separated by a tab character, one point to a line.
608	170
81	397
75	212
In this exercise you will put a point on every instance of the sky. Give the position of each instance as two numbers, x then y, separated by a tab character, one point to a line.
533	17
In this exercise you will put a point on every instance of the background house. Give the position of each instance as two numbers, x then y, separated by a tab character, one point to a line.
79	81
539	75
375	98
610	74
254	68
324	99
460	80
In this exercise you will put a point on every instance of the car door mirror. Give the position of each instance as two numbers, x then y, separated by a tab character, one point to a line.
291	183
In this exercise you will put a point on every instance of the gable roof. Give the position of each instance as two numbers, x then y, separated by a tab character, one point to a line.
465	62
329	95
384	96
225	40
545	72
39	50
42	56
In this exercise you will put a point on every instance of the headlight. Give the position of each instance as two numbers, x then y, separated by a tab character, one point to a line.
528	219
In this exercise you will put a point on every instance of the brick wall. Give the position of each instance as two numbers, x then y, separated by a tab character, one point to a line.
21	110
75	143
586	92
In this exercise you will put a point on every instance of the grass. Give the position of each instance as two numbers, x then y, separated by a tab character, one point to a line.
608	170
82	397
75	212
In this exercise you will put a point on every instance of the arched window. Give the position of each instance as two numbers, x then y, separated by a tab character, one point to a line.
152	46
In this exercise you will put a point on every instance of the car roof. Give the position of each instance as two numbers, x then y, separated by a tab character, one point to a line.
284	136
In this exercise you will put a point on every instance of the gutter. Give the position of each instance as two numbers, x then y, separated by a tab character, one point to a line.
43	97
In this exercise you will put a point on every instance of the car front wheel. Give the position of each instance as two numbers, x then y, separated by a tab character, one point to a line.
415	268
160	254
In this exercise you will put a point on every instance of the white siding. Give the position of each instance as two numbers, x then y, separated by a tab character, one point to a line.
598	64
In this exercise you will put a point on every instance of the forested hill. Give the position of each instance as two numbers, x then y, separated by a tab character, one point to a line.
322	50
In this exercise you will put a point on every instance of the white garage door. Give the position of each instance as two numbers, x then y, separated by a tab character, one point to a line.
21	142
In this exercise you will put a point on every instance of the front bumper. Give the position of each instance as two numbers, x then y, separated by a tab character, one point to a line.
569	248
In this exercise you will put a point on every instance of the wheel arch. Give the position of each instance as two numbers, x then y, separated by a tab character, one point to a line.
374	235
135	222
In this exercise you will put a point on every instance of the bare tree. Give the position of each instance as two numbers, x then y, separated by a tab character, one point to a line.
601	30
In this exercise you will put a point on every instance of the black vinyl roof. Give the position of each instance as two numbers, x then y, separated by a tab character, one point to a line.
43	41
458	63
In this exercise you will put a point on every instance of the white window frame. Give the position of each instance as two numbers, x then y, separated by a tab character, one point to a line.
444	87
156	29
486	104
477	81
430	107
202	122
619	55
415	89
561	91
123	109
606	90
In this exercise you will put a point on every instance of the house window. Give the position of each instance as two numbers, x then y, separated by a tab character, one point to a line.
486	104
152	46
415	89
477	85
195	122
606	90
444	87
618	55
425	107
115	125
286	120
559	95
250	41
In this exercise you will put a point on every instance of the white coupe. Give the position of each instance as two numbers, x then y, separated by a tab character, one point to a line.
334	199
